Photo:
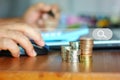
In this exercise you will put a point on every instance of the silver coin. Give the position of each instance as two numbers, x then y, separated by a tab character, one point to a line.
75	45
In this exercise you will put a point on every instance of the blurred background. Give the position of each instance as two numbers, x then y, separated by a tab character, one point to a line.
102	13
75	14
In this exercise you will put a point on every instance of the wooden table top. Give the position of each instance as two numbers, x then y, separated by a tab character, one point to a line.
105	65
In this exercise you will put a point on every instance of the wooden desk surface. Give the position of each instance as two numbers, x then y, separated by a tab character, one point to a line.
105	66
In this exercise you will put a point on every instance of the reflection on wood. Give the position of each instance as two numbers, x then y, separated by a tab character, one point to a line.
104	66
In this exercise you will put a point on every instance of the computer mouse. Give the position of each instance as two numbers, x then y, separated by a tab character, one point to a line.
39	50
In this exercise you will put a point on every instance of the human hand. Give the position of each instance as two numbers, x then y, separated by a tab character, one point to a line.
19	33
37	15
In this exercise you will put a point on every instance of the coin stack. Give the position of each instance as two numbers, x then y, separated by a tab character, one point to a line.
75	45
64	50
79	51
86	45
86	66
72	56
71	53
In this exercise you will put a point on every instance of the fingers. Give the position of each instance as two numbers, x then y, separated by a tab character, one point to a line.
54	8
31	15
38	14
27	30
38	8
21	39
41	23
8	44
56	11
42	7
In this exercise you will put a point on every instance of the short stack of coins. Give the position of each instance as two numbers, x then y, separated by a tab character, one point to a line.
86	48
64	52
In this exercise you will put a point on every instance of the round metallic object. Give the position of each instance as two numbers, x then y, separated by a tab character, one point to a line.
86	66
86	52
73	60
86	45
75	45
72	53
86	39
74	67
64	52
85	58
73	56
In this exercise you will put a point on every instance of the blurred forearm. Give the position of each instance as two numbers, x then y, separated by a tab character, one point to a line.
10	20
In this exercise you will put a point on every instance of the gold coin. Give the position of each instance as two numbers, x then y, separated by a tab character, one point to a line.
86	39
85	58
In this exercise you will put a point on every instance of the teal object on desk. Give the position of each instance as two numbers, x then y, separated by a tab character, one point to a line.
64	36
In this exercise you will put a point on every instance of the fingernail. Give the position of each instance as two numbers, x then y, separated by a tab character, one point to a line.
42	43
16	55
34	53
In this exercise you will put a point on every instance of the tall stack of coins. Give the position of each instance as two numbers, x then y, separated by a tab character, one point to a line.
86	45
86	66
